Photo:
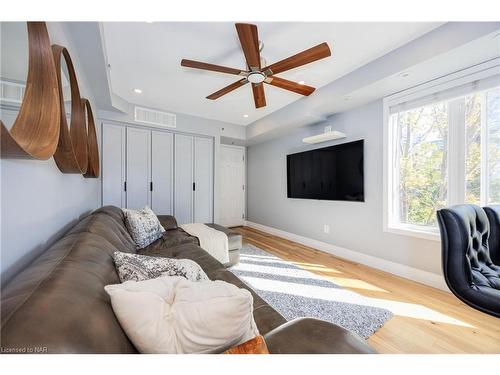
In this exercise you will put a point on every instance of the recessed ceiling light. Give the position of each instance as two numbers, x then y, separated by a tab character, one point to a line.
301	83
138	91
404	74
245	116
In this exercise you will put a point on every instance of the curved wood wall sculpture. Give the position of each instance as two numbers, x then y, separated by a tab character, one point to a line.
93	148
35	132
71	155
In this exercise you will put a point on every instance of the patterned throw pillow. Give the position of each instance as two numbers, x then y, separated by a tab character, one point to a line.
143	225
142	267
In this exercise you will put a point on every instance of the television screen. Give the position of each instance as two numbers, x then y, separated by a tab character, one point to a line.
329	173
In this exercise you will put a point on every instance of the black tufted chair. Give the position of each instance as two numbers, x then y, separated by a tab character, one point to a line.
468	269
493	213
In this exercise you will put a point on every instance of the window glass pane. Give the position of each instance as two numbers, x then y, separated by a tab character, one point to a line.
473	149
493	121
422	162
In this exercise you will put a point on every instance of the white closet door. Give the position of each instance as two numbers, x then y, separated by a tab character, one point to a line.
232	182
162	159
138	167
113	165
183	179
203	178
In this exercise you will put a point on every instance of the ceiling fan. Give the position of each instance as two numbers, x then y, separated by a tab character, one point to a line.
257	74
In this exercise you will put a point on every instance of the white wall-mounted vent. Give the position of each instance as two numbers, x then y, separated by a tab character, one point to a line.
154	117
11	92
326	136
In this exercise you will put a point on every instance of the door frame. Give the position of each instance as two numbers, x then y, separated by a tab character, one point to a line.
244	149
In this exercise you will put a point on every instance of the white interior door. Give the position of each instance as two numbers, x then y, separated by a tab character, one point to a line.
232	185
113	165
183	178
203	179
162	168
138	167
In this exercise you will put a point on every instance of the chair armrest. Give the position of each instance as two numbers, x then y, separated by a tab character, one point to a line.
168	222
313	336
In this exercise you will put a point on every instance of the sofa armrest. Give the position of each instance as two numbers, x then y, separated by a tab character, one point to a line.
168	222
313	336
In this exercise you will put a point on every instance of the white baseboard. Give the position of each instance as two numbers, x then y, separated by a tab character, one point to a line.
415	274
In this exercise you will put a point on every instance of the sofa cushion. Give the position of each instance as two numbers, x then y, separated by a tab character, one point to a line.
168	222
173	315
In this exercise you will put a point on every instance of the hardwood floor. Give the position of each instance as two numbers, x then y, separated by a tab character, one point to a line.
426	320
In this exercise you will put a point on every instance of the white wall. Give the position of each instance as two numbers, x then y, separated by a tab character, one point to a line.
353	225
38	202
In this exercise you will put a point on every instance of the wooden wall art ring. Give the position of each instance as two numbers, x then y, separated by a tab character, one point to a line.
72	151
35	132
93	148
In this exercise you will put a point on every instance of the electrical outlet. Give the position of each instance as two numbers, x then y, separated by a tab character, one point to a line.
326	228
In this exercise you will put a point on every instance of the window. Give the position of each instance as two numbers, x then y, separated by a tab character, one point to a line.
422	164
443	149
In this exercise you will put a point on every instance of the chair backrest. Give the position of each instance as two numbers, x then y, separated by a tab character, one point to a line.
493	213
464	240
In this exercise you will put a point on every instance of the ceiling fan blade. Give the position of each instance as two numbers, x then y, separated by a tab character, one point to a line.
290	86
227	89
207	66
249	39
258	95
305	57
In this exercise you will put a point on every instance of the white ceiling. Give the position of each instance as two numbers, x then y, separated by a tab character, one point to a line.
147	56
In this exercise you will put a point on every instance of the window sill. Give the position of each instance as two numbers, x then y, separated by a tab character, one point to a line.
413	231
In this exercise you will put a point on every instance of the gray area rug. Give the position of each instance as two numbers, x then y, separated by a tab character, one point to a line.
295	292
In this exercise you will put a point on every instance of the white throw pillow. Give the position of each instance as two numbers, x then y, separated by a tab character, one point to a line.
171	314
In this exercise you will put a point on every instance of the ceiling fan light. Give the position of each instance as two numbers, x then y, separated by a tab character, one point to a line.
256	77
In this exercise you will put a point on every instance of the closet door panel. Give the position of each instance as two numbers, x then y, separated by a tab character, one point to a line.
113	165
203	178
138	167
183	177
162	158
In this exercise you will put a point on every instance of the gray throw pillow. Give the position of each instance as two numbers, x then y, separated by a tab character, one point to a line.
143	225
142	267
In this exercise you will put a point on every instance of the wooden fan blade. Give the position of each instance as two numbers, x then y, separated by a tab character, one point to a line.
207	66
258	95
249	39
227	89
289	85
305	57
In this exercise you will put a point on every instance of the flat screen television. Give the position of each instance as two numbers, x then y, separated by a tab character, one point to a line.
329	173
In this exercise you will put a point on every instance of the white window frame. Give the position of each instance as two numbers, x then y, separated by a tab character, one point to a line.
481	77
